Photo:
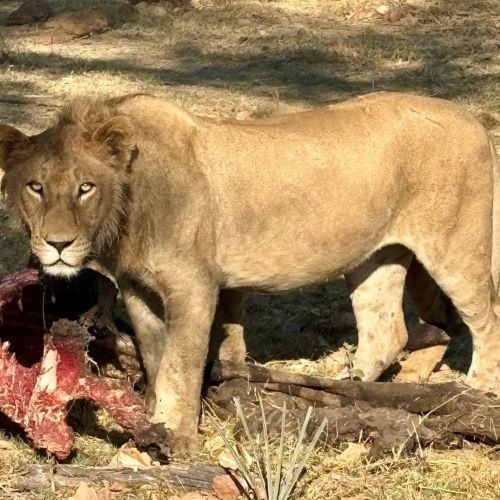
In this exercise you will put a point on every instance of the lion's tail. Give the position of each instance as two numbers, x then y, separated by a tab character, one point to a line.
495	254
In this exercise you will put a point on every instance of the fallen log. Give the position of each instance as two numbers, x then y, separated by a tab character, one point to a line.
440	398
190	477
394	415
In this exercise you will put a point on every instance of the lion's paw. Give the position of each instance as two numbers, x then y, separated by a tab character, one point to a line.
484	383
183	445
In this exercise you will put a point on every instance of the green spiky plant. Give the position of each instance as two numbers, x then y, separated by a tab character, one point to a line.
269	477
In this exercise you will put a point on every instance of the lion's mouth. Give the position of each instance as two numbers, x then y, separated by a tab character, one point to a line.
61	269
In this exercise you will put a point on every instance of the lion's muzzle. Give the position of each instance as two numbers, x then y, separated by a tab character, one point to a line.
60	258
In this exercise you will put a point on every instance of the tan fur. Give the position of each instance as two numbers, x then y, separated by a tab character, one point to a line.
184	207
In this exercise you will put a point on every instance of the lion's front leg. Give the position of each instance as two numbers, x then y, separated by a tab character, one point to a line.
147	314
377	300
190	307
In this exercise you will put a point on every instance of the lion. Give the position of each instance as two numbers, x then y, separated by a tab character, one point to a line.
187	212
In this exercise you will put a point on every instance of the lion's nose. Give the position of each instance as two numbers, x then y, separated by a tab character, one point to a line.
60	245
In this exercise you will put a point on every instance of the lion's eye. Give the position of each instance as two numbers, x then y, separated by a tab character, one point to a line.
86	187
35	187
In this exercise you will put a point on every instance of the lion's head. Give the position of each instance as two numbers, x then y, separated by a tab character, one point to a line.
68	184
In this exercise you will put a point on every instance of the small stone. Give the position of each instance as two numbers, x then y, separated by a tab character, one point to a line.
353	454
395	14
84	492
117	487
383	9
225	488
128	456
390	13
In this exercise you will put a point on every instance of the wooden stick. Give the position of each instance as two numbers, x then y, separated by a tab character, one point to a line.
313	395
441	399
196	476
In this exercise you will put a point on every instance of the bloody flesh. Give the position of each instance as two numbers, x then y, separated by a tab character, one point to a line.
42	371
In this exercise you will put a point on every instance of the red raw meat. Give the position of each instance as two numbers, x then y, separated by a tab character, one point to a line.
42	372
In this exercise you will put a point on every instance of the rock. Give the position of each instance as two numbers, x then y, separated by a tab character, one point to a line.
390	13
79	24
84	492
395	14
128	456
31	11
383	9
225	488
353	454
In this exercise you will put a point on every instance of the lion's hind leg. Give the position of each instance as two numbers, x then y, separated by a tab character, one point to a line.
458	258
227	342
465	277
433	306
377	300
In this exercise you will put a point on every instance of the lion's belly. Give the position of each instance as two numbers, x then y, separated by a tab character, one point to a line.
285	271
309	244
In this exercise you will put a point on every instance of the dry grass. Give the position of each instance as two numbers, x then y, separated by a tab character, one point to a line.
463	474
259	57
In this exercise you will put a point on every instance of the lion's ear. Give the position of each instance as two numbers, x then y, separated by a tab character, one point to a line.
10	139
117	134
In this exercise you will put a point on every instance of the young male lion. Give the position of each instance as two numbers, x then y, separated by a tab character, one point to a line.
178	207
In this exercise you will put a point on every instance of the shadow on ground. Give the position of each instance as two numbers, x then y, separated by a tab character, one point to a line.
321	61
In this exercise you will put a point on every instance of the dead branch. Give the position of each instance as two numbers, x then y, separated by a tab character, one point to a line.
416	398
460	409
192	477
